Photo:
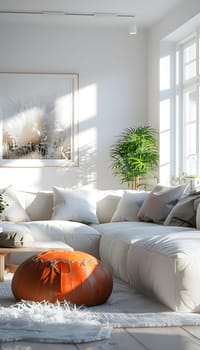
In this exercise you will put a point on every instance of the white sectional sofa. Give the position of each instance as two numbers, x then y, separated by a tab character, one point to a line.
150	240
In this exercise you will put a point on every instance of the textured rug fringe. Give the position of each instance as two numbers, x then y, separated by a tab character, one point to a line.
51	323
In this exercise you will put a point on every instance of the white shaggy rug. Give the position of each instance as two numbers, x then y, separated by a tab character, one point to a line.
50	323
55	323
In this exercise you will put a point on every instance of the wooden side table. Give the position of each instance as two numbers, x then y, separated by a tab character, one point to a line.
5	258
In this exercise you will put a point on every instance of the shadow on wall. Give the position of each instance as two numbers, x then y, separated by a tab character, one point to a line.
83	175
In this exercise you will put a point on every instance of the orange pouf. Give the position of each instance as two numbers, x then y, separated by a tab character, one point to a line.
61	275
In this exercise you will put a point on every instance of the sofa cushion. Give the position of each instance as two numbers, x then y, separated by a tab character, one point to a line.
184	212
15	211
168	268
117	237
76	205
129	206
159	203
77	235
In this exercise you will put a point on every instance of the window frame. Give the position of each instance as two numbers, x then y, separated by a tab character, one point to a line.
179	87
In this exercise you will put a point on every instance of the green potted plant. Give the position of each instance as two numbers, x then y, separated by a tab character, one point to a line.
135	155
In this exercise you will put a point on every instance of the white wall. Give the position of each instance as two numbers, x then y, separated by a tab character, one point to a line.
113	91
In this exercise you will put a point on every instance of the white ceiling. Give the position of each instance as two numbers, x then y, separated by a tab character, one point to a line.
147	12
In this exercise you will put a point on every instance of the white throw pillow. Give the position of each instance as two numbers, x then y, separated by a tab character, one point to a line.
14	212
74	205
129	205
159	203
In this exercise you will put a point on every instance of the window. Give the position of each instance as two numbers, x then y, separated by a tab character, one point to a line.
179	110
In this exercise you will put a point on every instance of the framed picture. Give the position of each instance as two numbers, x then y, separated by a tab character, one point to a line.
38	119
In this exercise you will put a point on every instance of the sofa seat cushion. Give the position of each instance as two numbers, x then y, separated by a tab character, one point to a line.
168	268
117	238
77	235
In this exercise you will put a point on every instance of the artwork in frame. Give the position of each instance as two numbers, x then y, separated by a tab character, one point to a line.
38	119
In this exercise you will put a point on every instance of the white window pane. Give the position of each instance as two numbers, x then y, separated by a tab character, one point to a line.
164	115
177	135
199	55
190	71
164	147
191	166
177	67
199	102
190	140
190	105
190	149
164	73
189	53
165	174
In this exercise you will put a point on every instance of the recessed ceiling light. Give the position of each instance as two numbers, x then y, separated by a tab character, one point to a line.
132	28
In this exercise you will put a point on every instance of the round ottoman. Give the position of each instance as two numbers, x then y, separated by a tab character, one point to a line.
61	275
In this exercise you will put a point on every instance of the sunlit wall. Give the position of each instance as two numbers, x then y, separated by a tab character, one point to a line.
112	91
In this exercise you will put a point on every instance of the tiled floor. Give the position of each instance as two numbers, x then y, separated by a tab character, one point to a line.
170	338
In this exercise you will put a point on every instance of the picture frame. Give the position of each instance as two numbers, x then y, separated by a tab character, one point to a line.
38	119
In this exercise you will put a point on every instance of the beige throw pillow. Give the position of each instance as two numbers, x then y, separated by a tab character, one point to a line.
129	206
41	206
159	203
107	204
74	205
